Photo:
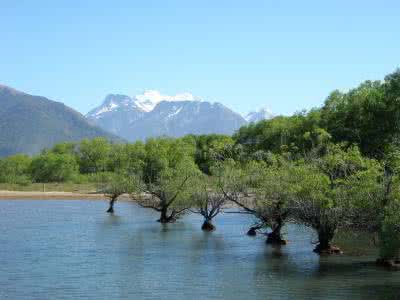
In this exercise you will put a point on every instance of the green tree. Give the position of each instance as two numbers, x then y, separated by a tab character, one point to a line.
128	158
273	195
237	183
207	201
171	192
390	235
209	148
15	169
94	155
119	184
323	195
64	148
299	133
315	205
51	167
168	170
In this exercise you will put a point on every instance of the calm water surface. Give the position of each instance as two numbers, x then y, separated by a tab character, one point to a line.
74	250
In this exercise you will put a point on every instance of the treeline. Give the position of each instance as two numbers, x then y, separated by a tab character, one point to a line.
335	167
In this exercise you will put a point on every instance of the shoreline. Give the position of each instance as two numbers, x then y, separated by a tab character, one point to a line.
32	195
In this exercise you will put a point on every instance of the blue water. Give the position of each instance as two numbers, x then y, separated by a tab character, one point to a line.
74	250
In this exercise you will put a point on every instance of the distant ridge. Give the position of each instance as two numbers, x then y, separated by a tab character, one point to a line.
152	114
30	123
261	114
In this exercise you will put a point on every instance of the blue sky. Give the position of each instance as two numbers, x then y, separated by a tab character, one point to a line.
287	55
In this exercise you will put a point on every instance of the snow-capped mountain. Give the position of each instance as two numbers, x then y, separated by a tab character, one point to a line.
261	114
116	113
179	118
152	114
150	98
145	102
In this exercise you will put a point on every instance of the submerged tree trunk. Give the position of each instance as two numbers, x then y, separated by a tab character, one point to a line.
164	218
391	263
253	230
207	225
325	236
111	207
275	237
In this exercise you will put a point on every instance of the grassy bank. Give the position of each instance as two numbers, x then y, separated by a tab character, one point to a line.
82	188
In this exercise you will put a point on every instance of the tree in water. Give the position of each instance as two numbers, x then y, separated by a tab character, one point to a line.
272	199
232	182
389	236
313	205
387	221
207	202
324	197
170	194
168	171
117	185
258	190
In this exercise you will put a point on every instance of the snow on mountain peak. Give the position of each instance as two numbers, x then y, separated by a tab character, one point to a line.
111	103
150	98
263	113
144	102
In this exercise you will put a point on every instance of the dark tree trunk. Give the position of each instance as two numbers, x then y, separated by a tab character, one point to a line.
275	237
393	264
325	236
252	231
164	218
111	208
207	225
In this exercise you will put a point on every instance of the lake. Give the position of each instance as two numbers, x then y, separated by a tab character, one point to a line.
54	249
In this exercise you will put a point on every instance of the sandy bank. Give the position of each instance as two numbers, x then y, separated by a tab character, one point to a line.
6	195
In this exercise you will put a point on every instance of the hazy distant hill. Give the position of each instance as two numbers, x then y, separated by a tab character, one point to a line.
152	114
261	114
30	123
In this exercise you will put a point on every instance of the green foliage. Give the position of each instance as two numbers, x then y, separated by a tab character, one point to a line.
64	148
176	182
329	168
340	162
206	199
298	133
117	184
169	173
390	232
51	167
209	149
127	158
15	169
367	115
231	178
165	154
94	155
274	191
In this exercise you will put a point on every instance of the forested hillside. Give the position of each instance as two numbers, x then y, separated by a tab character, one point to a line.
367	116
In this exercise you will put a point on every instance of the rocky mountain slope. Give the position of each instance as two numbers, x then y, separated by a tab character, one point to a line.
152	114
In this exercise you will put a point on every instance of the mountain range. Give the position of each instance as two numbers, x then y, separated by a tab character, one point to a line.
152	114
30	123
